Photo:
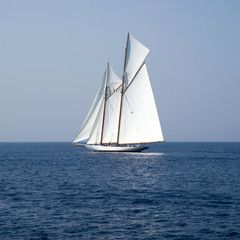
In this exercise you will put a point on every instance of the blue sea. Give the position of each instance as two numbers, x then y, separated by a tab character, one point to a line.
171	191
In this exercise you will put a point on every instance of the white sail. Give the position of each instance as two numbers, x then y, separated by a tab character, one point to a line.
111	114
111	119
86	128
113	81
95	134
123	114
139	120
136	54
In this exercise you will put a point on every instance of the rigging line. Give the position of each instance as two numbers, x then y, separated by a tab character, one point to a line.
114	91
131	110
134	115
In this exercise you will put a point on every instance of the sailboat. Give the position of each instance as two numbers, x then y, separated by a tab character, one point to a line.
123	116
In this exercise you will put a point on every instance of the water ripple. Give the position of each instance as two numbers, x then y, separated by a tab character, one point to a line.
172	191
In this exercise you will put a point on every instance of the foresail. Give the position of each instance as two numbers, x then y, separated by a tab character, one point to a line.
111	118
109	114
95	134
139	120
113	81
136	55
86	128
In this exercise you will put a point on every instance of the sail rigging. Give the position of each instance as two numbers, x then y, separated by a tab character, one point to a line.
102	114
124	110
112	108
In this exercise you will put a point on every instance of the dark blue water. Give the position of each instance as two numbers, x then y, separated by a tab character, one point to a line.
60	191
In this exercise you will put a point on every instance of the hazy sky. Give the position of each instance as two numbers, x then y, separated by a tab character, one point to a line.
53	54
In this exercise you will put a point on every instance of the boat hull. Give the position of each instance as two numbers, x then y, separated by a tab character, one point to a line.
101	148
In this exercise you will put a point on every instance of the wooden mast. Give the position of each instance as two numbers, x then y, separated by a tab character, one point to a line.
120	113
104	108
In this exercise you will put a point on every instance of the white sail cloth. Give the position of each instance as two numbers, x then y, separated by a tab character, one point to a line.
110	114
110	130
139	122
87	126
136	55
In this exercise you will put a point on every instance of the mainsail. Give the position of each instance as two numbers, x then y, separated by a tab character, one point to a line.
139	121
124	110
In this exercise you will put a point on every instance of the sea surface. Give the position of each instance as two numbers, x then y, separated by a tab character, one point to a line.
171	191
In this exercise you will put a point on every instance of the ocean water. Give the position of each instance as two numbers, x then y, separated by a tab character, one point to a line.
171	191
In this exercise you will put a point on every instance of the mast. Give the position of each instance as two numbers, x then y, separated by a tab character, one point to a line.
104	108
120	113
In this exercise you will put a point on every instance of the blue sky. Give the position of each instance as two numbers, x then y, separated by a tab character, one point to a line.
54	53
